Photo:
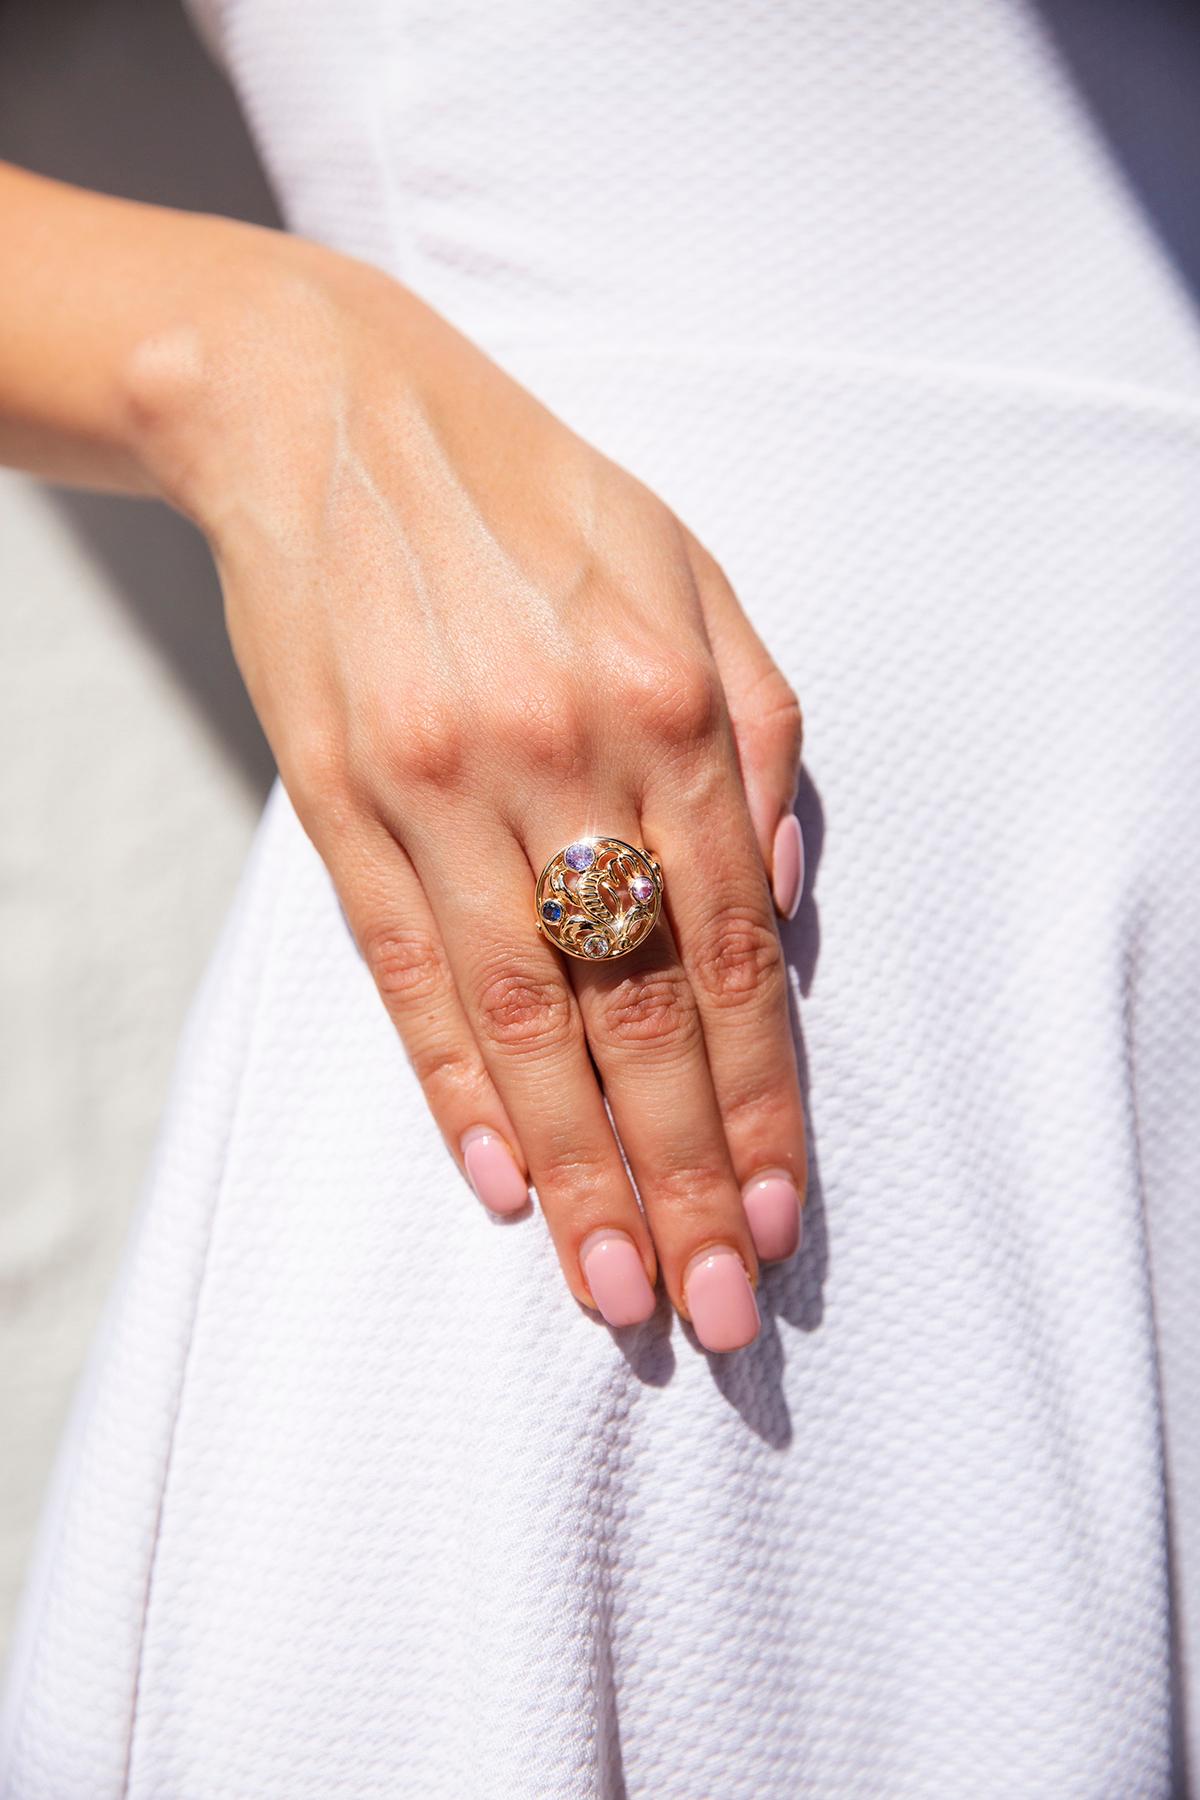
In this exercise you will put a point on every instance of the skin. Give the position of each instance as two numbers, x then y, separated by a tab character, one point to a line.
470	638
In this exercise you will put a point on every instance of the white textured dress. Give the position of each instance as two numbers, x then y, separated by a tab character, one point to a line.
355	1500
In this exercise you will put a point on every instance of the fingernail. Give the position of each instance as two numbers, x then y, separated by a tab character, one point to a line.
773	1210
721	1300
492	1170
787	865
617	1278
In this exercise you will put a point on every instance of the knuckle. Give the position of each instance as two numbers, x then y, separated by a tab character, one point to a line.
447	1065
775	713
319	772
407	964
520	1009
545	729
758	1102
705	566
653	1007
691	1188
739	959
567	1174
419	739
679	700
779	709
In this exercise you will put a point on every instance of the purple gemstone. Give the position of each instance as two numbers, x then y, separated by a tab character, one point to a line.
579	857
642	889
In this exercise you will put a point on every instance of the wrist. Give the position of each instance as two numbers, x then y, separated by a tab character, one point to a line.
117	325
228	374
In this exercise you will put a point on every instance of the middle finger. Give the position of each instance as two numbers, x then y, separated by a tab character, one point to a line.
644	1029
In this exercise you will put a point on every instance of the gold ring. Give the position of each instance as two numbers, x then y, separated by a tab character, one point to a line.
598	898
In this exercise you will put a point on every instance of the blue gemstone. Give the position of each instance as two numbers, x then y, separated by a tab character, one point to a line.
579	857
552	910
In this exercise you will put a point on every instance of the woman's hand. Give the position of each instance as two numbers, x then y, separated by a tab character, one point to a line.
470	639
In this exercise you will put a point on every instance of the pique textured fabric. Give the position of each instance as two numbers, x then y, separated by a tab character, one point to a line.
356	1500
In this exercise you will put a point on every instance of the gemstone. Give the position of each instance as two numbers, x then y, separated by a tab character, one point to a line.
552	910
579	857
642	889
595	945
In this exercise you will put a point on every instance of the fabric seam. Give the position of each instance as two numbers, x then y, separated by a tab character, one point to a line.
994	377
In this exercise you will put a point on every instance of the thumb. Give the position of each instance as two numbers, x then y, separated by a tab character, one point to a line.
768	727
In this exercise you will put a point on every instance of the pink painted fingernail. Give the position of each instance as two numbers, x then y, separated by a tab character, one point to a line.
787	864
492	1170
773	1210
720	1299
617	1278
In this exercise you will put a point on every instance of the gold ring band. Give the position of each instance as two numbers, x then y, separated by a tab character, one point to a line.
598	898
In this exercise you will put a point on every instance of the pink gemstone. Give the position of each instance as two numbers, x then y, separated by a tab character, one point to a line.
642	889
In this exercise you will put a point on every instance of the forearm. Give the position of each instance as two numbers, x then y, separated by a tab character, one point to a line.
88	283
191	357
